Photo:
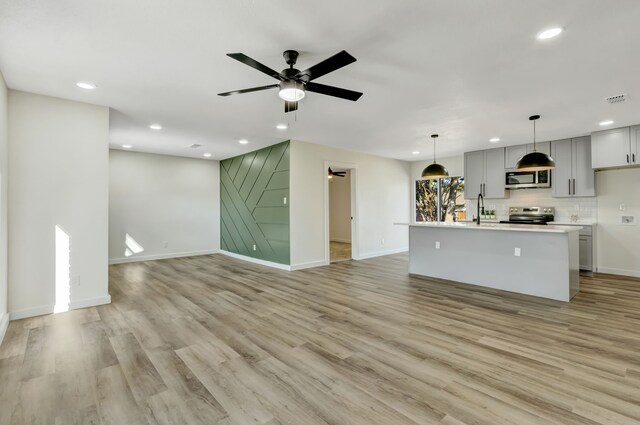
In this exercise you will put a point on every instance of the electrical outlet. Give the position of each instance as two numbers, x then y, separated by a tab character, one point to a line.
629	220
516	252
75	280
437	244
284	201
254	247
165	244
382	241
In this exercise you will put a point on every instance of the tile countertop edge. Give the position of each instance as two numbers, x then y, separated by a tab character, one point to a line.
497	226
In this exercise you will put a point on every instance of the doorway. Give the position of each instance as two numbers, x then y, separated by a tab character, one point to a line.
339	214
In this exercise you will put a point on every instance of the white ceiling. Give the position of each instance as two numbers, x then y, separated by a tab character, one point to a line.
468	70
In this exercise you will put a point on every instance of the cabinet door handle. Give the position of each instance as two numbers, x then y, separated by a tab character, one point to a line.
574	187
627	158
633	157
569	186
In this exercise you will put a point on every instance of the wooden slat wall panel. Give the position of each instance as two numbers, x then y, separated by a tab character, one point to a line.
252	191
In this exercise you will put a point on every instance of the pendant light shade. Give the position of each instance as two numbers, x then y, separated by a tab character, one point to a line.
435	170
535	161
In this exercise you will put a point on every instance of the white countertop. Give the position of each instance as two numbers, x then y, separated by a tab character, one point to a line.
556	223
498	226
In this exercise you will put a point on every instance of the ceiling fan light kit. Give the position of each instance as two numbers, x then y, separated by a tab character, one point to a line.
294	83
535	161
291	91
435	170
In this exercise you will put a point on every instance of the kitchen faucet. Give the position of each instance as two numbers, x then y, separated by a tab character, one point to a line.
480	198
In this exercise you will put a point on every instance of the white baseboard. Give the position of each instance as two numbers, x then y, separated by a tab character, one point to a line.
309	265
621	272
256	260
90	302
381	253
340	240
4	323
48	309
135	259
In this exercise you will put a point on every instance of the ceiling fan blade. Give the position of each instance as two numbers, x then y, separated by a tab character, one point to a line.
333	91
241	57
336	61
290	106
229	93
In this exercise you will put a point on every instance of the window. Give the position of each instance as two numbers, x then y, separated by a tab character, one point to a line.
440	199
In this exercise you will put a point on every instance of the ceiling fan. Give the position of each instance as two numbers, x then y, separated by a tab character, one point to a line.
294	83
336	173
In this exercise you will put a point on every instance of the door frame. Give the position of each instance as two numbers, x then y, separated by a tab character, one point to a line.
353	171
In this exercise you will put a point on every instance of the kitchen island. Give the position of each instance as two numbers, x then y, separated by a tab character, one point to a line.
527	259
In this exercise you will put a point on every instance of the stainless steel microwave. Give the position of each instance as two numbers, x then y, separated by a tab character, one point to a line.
527	179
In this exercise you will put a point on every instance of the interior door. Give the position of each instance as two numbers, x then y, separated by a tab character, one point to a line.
561	183
494	174
583	174
474	174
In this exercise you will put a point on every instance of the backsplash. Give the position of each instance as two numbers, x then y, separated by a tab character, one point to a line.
585	208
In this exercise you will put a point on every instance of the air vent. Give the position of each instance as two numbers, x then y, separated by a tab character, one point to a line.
194	146
616	99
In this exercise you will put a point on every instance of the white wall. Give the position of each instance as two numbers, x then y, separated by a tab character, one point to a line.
618	246
58	176
340	208
159	199
453	164
383	197
4	317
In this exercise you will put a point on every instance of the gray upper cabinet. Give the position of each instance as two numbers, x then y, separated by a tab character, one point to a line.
512	154
561	175
573	175
484	173
612	148
635	145
473	174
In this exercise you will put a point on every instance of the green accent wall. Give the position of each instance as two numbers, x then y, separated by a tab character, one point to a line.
252	208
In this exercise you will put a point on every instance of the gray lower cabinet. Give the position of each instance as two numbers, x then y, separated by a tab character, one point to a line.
586	252
484	173
573	175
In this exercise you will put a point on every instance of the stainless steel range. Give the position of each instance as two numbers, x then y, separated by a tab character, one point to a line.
530	215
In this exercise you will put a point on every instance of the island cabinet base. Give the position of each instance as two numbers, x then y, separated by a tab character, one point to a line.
548	264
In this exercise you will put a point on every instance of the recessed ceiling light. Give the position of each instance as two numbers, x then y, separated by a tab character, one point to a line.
86	85
282	126
155	127
550	33
494	140
127	146
415	153
206	155
243	141
607	122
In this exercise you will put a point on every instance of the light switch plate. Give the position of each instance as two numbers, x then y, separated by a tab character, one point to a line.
516	252
437	244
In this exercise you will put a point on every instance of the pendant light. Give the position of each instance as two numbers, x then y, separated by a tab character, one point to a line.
435	170
535	161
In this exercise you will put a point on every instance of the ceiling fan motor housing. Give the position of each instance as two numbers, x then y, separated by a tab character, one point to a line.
290	57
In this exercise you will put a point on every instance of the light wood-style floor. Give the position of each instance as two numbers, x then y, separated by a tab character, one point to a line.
339	251
213	340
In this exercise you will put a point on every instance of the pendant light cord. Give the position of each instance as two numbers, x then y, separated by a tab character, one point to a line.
434	149
534	135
